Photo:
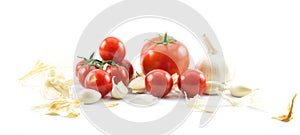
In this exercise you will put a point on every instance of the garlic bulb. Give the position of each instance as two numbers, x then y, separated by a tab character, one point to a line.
119	90
88	96
212	66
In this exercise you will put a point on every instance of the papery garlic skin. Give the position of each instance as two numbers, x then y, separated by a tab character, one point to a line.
89	96
119	91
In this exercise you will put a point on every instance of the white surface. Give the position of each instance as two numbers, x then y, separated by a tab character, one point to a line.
261	38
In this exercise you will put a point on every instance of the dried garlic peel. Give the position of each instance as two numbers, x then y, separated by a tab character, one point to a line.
111	104
119	90
38	68
196	103
289	116
61	107
57	82
88	96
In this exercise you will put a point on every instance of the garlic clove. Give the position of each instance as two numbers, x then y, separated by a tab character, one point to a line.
89	96
137	84
119	90
239	91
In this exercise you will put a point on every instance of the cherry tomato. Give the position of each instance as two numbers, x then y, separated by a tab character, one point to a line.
164	53
192	82
125	63
120	73
99	80
112	48
78	65
158	83
82	72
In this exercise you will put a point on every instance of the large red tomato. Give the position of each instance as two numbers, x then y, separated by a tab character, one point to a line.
164	53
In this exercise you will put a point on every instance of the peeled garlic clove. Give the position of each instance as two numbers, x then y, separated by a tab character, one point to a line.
137	84
89	96
239	91
213	87
119	90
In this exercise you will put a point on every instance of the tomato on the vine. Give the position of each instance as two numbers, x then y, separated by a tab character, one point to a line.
99	80
125	63
192	82
120	73
83	71
164	53
112	48
158	83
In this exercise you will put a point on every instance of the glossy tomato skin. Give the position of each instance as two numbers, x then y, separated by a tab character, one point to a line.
83	71
125	63
78	65
158	83
192	82
111	48
120	73
99	80
172	57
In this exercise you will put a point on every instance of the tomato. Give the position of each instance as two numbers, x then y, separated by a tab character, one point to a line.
192	82
112	48
82	72
125	63
158	83
120	73
164	53
78	65
99	80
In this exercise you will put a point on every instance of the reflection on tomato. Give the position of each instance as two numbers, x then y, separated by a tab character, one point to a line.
164	53
82	72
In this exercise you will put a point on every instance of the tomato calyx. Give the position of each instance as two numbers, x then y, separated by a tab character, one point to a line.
164	40
97	63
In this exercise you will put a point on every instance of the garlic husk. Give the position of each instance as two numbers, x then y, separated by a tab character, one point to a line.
137	83
213	87
119	91
88	96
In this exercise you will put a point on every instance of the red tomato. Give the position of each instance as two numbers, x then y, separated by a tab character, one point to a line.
158	83
164	53
120	73
99	80
83	71
192	82
78	65
112	48
125	63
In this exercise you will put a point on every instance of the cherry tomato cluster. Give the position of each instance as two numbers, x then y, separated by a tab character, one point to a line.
164	56
97	74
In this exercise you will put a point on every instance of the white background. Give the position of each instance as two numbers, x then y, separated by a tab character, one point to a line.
261	38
